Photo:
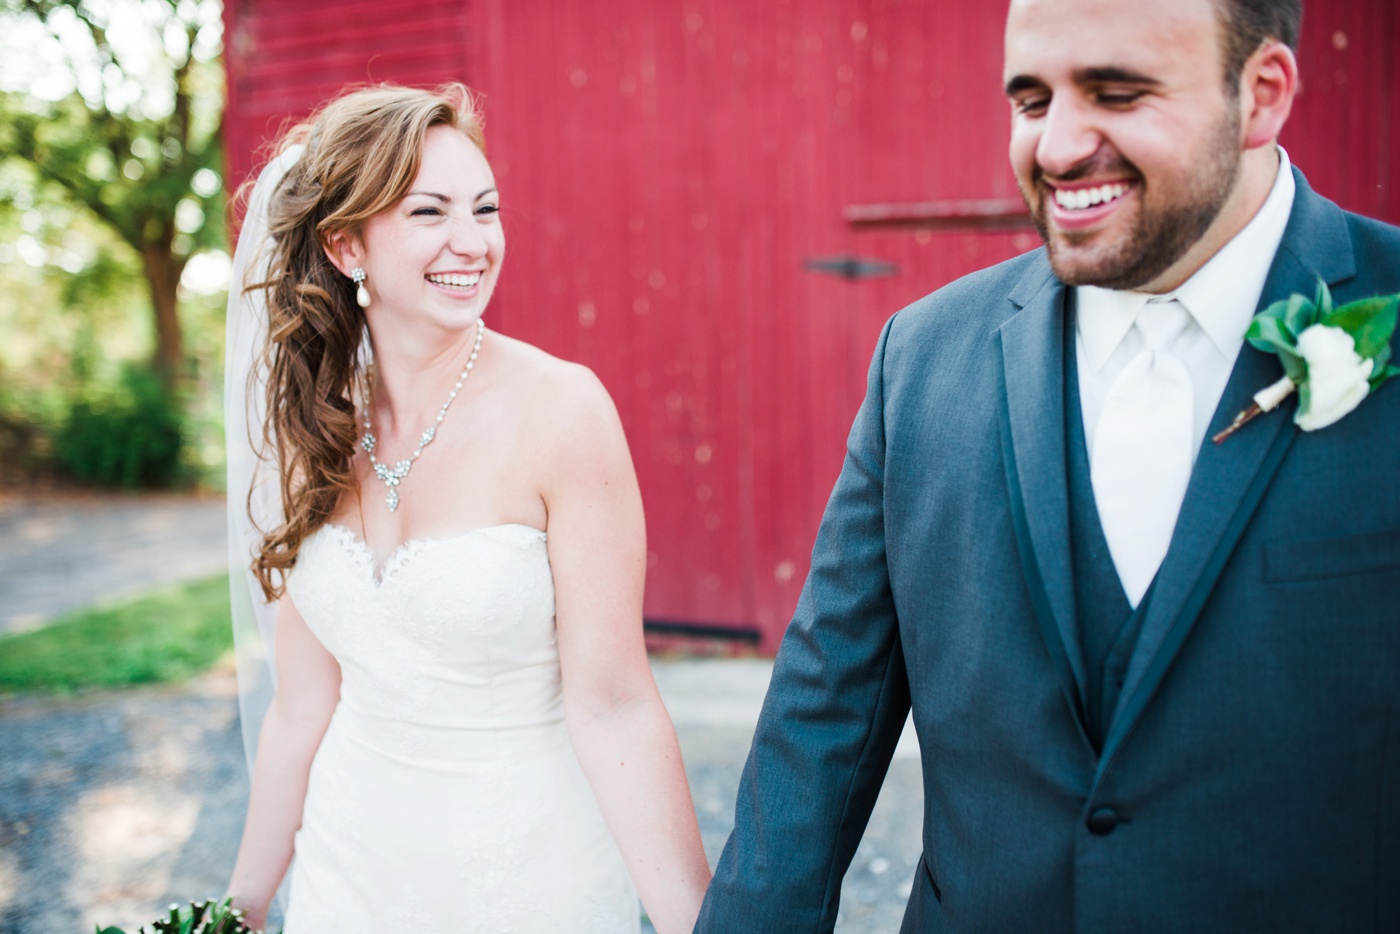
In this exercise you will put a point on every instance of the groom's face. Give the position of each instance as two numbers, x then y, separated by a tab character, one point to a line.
1124	141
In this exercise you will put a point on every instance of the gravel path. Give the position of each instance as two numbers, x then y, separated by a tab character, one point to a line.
62	552
117	803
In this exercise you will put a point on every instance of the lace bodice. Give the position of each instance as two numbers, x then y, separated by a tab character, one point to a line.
453	634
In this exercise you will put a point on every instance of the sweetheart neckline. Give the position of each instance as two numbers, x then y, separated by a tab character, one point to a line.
378	575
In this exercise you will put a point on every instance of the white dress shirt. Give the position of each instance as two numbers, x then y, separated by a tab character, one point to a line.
1221	299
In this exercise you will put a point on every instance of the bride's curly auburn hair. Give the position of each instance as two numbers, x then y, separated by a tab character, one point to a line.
362	153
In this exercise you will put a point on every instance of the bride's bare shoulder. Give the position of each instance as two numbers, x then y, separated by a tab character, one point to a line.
553	394
571	441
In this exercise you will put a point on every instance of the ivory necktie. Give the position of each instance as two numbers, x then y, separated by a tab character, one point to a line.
1143	450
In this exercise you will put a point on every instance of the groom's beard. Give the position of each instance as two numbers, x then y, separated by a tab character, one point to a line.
1173	213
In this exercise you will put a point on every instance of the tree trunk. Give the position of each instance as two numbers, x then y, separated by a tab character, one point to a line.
163	271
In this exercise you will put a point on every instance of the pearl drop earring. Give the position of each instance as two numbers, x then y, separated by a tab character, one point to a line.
361	293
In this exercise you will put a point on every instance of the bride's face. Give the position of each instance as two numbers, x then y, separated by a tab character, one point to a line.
437	253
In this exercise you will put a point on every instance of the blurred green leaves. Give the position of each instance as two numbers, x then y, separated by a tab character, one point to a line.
116	107
128	435
110	184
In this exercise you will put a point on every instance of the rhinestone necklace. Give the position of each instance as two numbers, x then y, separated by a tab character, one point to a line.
393	476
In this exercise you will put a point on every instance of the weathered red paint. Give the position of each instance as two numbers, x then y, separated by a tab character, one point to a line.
668	169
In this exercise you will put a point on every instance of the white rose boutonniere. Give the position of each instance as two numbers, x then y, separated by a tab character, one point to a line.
1332	357
1338	376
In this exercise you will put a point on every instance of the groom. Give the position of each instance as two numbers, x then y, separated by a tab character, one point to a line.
1156	680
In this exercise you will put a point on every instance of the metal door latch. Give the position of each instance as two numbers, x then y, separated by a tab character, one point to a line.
850	267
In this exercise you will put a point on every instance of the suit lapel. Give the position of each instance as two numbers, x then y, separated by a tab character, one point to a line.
1230	479
1033	448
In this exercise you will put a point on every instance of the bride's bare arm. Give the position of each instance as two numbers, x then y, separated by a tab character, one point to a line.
308	687
620	729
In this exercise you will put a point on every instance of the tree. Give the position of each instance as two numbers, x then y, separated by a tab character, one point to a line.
134	136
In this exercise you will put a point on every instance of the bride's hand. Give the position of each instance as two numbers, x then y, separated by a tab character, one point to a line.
252	918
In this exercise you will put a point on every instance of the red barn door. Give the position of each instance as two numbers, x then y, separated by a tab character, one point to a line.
677	177
716	205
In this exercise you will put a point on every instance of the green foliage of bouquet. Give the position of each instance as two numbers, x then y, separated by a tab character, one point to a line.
198	918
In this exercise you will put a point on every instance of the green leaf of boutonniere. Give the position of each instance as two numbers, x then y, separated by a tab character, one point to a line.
1323	299
1382	370
1370	322
1300	314
1269	333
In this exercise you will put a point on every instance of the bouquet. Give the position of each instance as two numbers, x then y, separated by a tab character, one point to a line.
197	918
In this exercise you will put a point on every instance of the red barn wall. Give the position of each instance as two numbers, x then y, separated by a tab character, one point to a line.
670	169
285	57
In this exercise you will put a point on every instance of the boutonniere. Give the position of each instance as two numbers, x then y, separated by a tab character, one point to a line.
1332	357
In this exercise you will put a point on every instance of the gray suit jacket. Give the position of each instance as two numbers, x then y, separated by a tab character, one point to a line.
1250	775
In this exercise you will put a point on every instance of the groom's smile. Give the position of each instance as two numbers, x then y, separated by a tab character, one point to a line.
1084	205
1082	198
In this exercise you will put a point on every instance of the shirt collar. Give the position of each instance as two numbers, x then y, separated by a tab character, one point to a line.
1221	296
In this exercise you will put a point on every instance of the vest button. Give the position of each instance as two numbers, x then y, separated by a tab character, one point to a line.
1102	822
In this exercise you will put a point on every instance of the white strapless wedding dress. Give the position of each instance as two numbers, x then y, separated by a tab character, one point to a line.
445	796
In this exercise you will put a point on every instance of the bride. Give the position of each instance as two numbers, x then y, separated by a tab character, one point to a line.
465	734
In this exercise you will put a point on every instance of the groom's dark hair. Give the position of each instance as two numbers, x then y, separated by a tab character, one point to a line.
1245	25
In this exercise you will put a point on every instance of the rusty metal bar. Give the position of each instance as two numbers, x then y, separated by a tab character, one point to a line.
977	214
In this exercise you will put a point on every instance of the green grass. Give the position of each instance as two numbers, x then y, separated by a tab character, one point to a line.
167	635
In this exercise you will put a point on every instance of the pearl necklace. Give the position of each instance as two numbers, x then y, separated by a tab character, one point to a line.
392	477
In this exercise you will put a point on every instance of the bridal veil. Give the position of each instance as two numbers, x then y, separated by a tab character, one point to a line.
254	496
